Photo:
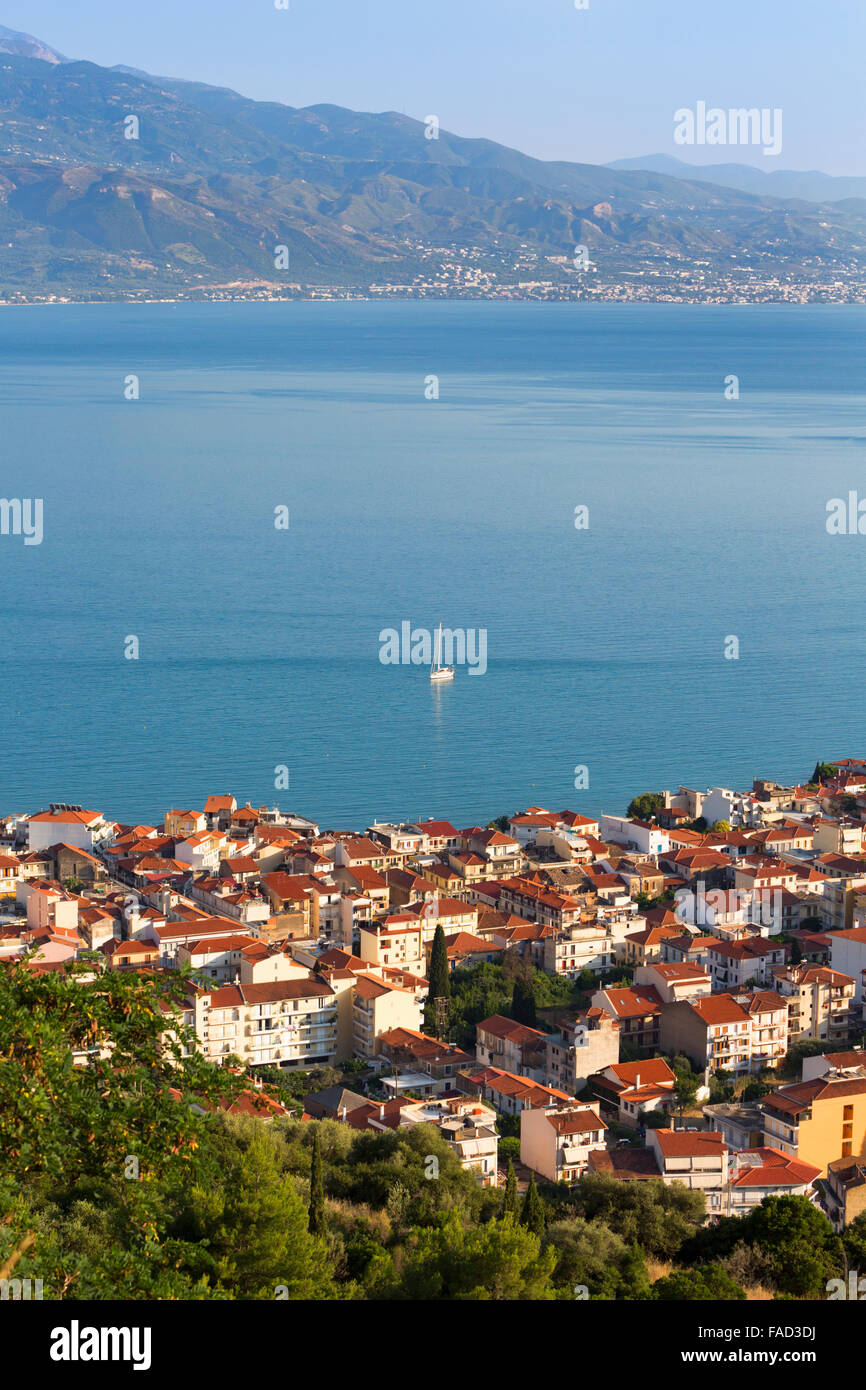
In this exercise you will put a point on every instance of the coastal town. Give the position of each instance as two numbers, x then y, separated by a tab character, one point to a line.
705	955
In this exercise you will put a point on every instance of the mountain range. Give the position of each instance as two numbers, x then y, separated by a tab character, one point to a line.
810	185
115	183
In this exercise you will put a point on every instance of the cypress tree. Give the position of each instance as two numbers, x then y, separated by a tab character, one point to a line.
511	1202
439	979
523	1002
532	1216
316	1224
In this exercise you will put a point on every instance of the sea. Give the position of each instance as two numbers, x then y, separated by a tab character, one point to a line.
630	502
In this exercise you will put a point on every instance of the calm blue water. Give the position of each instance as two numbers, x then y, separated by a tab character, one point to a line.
260	647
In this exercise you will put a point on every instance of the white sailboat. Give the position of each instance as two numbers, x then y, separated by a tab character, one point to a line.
438	672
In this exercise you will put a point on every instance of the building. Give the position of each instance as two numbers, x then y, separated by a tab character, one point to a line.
724	1032
674	980
822	1003
848	957
218	957
637	1010
818	1121
289	1023
500	1042
637	835
574	949
332	1104
628	1090
736	964
510	1094
378	1007
67	825
556	1140
642	947
467	1126
435	1066
582	1045
396	940
844	1191
696	1158
754	1174
741	1125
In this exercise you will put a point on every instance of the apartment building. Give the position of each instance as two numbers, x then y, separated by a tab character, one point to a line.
696	1158
556	1141
637	1010
582	1045
822	1003
378	1007
735	964
219	957
570	952
840	900
818	1121
452	914
740	1033
289	1023
537	902
500	1042
396	940
848	957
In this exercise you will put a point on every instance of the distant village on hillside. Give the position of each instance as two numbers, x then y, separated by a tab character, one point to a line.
706	955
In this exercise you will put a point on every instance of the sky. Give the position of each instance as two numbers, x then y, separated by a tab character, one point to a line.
589	85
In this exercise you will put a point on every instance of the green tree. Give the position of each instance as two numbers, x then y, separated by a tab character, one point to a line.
523	1001
799	1243
589	1253
532	1215
655	1217
496	1261
644	806
316	1222
75	1123
708	1284
824	772
721	827
510	1200
248	1231
854	1242
685	1089
438	976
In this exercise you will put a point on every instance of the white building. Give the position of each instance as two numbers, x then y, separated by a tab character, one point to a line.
61	825
638	835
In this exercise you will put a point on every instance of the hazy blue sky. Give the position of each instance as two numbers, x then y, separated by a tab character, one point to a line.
560	83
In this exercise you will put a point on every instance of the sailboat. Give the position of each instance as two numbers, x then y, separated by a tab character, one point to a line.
438	672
